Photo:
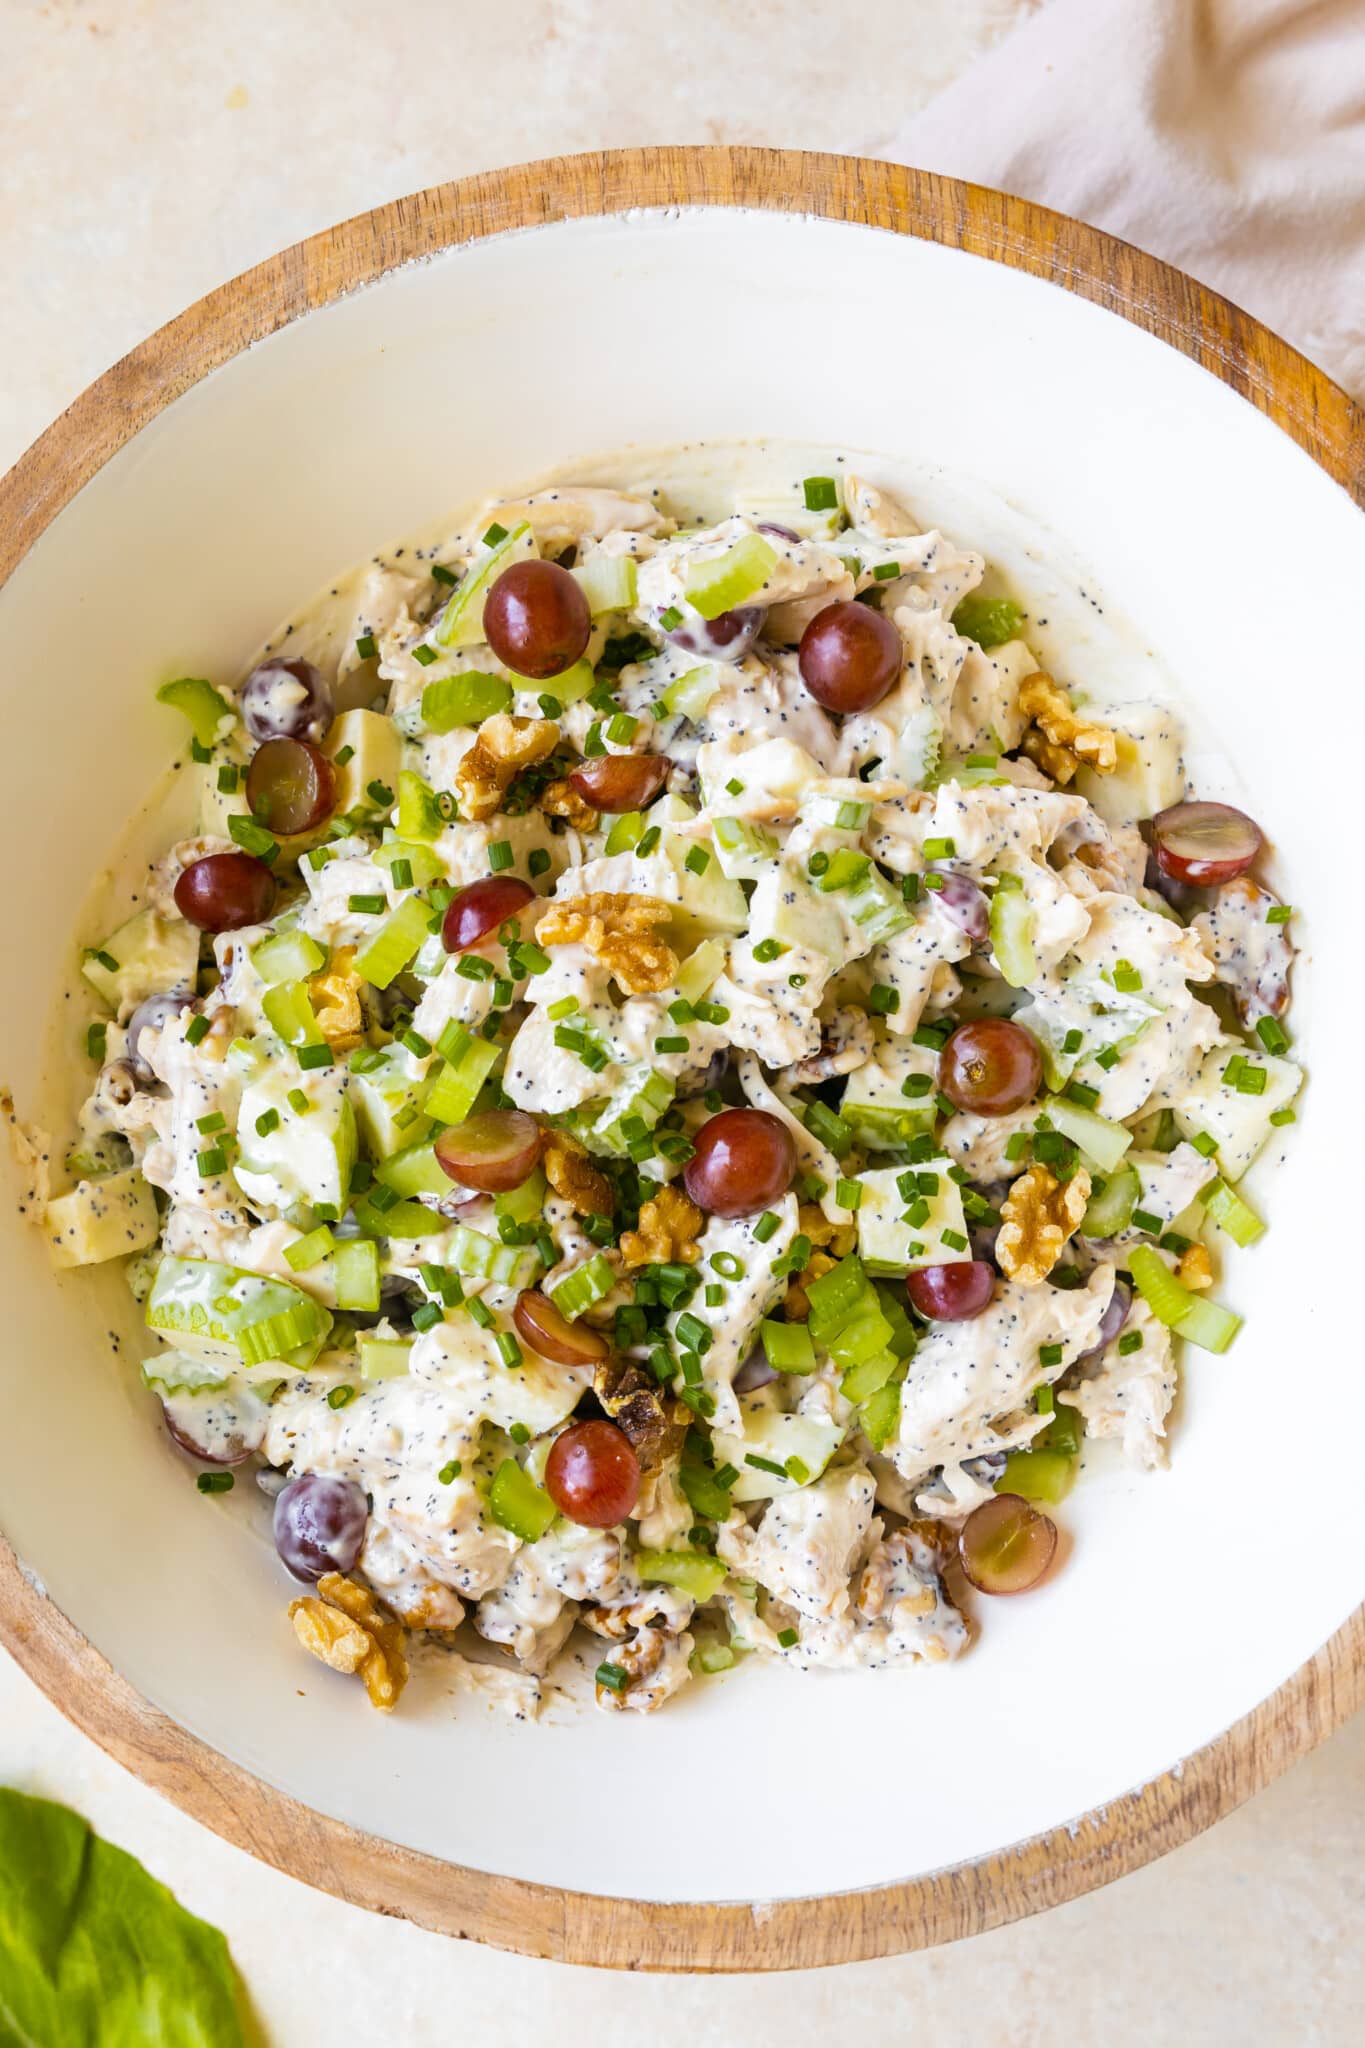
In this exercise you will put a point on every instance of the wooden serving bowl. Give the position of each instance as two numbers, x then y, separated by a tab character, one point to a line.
1206	1632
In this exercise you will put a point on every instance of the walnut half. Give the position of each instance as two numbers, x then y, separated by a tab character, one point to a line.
670	1224
1040	1213
345	1627
1059	741
623	933
505	745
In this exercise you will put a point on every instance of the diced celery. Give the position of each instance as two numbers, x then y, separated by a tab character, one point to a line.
876	908
1099	1139
524	1204
201	704
787	1346
645	1094
626	831
476	1257
309	1250
709	1658
516	1503
691	1571
608	583
461	623
423	862
289	1012
881	1414
834	1296
355	1271
717	585
1111	1205
1063	1433
464	699
418	817
702	1492
383	1358
1012	932
572	685
1231	1213
860	1382
742	849
287	956
990	621
414	1171
406	1221
453	1092
264	1317
904	1333
394	944
1203	1322
174	1372
579	1289
688	695
1038	1475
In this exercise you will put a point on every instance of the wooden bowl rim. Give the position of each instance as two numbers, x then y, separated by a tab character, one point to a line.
364	1869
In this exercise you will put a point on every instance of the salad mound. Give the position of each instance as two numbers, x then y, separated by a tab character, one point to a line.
681	1080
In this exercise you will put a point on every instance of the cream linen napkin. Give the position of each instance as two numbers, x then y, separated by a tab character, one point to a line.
1227	136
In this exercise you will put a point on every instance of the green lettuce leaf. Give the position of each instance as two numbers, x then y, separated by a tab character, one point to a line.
94	1953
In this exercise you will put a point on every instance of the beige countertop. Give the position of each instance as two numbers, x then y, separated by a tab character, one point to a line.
149	150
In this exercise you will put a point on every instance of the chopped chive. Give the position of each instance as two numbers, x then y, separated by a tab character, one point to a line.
212	1161
227	779
1044	1400
500	855
1279	913
343	755
848	1194
97	1041
339	1396
1143	1219
1129	1342
311	1057
1080	1092
797	980
427	1316
367	647
418	1046
649	839
480	1311
727	1265
379	793
818	864
266	1122
883	1000
886	572
537	861
401	874
612	1676
931	1037
672	1044
199	752
939	849
440	574
1072	1042
196	1030
1272	1034
209	1124
1205	1145
697	862
424	654
367	906
1050	1354
766	949
448	1474
765	1464
1126	977
1250	1080
788	1638
474	967
297	1101
670	618
509	1350
766	1226
253	838
910	888
622	728
1282	1116
215	1482
954	1240
821	493
734	787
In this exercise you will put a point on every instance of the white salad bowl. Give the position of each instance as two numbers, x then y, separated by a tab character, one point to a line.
1203	1631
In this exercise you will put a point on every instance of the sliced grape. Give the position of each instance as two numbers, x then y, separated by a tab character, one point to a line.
493	1151
1204	843
621	782
953	1292
553	1335
1006	1545
320	1525
290	786
990	1066
963	904
536	619
482	907
850	656
592	1475
287	700
744	1160
224	891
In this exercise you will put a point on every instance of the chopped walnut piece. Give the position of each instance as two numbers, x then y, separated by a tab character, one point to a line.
1059	741
1195	1269
655	1664
1040	1213
344	1626
505	745
573	1176
336	1001
670	1225
622	931
813	1223
650	1420
561	800
796	1303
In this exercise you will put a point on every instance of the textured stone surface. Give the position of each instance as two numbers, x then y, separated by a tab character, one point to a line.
152	148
